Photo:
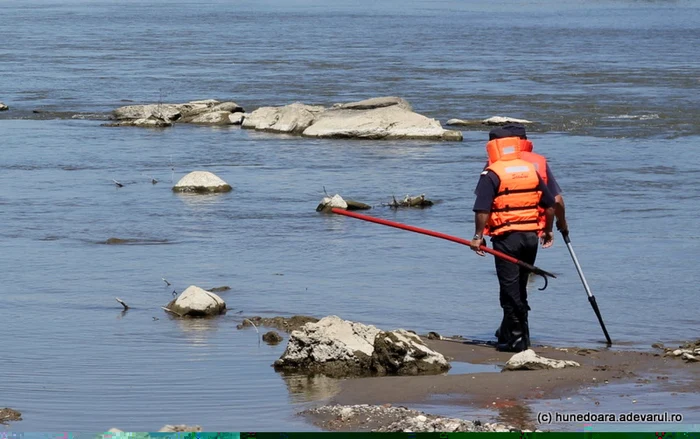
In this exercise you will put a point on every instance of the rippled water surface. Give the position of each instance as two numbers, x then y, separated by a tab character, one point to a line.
611	85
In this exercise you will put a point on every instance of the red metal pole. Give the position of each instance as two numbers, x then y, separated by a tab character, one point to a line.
443	236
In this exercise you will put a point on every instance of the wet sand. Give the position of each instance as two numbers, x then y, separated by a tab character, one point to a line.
511	392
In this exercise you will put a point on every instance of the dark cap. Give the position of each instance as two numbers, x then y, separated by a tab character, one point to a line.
499	133
515	129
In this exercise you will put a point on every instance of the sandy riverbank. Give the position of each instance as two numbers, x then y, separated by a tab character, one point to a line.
510	394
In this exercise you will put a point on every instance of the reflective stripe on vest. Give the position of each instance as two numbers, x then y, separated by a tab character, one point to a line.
515	206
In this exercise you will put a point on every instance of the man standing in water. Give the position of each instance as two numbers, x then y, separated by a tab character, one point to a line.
512	205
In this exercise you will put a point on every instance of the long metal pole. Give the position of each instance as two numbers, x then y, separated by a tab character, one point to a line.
496	253
591	297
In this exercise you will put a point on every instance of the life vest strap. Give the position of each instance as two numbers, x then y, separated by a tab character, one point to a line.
508	208
507	191
510	223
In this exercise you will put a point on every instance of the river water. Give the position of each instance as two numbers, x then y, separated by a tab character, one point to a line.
612	86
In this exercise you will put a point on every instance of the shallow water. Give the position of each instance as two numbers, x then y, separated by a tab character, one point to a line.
620	128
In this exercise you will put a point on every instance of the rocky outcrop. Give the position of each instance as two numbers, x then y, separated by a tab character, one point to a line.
201	182
529	360
377	118
3	107
208	111
196	302
337	347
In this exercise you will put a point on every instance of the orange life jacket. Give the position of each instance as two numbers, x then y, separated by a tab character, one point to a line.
515	206
538	160
525	147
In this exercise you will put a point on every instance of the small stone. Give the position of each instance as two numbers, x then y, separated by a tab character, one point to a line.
421	418
432	335
272	337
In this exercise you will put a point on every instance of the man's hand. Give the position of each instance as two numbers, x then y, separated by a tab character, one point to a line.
475	245
547	239
563	227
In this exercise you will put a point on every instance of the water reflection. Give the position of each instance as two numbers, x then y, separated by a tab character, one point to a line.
195	200
198	330
306	388
512	413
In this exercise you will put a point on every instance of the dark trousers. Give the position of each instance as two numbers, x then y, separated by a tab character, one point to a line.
514	334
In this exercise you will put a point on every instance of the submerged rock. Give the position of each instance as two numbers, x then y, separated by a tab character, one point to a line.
272	337
180	428
9	415
151	121
201	182
337	347
197	302
408	201
286	324
529	360
356	205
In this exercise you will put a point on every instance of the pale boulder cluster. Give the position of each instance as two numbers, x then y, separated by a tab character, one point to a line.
376	118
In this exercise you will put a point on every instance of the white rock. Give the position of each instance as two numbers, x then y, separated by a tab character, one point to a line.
500	120
689	358
201	181
293	118
346	412
421	418
529	360
393	122
329	339
372	103
3	107
196	301
213	118
236	118
335	201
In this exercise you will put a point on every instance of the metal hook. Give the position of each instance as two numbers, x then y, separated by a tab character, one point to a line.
546	282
